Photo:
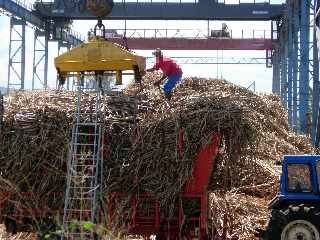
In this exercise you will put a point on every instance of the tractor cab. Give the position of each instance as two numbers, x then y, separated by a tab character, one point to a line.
295	211
300	180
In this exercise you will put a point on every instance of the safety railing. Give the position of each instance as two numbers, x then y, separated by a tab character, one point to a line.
188	33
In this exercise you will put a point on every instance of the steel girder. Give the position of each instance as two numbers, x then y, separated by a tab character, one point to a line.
17	49
141	10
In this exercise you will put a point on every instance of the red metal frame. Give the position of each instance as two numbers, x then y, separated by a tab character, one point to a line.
195	190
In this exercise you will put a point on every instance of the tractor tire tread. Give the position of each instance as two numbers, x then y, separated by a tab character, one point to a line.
280	218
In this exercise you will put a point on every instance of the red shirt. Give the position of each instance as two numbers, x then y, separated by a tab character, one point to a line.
167	66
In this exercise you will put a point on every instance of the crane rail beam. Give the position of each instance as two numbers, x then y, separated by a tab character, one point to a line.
142	10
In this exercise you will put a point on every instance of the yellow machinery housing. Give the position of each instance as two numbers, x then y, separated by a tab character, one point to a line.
100	55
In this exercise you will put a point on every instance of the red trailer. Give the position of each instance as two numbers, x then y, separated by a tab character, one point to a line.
146	216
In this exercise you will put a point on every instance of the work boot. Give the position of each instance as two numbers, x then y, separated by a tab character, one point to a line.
168	95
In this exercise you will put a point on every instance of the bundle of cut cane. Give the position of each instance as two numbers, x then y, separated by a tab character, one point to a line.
142	130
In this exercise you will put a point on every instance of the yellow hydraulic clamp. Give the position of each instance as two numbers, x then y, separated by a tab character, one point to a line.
100	55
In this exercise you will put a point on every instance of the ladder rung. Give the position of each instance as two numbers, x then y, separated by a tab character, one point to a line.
88	124
85	157
87	134
84	144
82	176
87	88
82	188
85	235
79	210
80	198
85	165
94	112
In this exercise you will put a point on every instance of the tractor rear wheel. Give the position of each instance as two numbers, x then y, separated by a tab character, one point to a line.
295	223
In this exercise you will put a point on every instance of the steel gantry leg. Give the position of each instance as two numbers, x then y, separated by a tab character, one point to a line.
316	89
304	65
275	58
40	60
276	71
63	47
283	65
290	64
295	64
16	66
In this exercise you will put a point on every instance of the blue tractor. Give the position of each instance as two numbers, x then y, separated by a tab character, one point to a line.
296	209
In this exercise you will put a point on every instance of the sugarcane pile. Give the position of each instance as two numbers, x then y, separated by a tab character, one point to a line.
142	133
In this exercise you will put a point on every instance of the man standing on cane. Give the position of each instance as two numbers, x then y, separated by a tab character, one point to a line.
171	71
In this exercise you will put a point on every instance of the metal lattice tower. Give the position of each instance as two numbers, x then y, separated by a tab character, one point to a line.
16	66
85	162
40	60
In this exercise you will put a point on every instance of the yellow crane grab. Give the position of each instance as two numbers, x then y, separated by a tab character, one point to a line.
99	55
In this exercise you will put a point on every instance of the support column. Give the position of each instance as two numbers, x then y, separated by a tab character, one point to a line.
295	64
16	66
304	65
64	47
40	60
276	71
283	65
316	39
316	89
290	63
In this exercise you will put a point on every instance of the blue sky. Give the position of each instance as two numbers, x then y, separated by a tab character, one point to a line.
242	75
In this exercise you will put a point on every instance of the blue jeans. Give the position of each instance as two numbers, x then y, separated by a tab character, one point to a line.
171	82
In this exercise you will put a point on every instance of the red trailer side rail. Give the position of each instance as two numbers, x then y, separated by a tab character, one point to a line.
150	220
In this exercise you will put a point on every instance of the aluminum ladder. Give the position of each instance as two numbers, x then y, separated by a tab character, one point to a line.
84	178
